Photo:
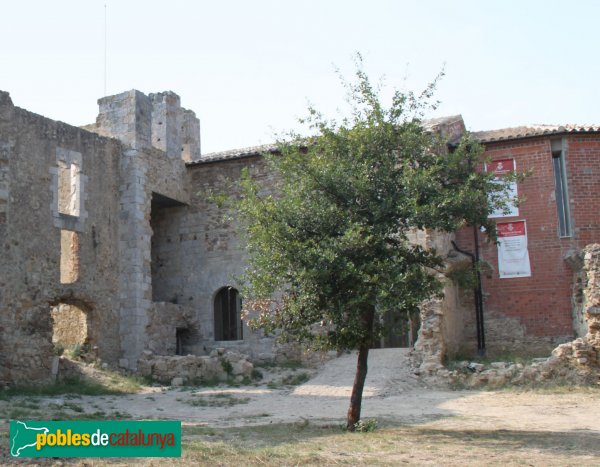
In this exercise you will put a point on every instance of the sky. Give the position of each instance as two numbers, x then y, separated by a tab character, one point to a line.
250	68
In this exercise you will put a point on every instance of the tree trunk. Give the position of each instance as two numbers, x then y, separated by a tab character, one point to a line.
361	372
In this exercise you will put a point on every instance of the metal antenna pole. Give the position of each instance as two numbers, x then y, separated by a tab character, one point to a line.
105	48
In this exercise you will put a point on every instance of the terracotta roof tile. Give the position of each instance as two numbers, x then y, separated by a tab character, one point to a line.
452	123
528	131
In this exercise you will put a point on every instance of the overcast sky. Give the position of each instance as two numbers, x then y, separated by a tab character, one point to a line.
248	68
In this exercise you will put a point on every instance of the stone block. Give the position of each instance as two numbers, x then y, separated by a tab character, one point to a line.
54	367
176	382
476	367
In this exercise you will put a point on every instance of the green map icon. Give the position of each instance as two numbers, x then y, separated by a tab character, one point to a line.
23	437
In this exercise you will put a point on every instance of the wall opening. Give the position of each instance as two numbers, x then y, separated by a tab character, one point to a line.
69	327
400	331
69	257
182	337
561	190
227	313
68	188
165	257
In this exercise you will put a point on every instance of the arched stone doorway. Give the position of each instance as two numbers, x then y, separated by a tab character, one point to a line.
227	314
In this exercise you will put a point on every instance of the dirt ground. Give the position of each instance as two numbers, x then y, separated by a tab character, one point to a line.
392	395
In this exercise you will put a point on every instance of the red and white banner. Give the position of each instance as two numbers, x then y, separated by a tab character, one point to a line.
513	255
501	168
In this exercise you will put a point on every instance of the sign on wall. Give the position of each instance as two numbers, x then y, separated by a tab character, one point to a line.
513	255
502	168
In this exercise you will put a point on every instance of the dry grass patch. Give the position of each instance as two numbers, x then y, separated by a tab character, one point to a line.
306	444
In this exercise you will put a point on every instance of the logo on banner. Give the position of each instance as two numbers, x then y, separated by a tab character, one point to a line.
35	438
500	169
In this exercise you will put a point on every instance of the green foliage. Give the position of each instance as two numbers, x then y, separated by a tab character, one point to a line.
295	379
365	426
333	243
74	351
95	383
463	275
59	349
227	367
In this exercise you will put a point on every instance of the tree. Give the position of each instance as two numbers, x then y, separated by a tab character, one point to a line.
331	243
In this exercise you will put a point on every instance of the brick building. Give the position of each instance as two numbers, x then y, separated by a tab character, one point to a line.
561	210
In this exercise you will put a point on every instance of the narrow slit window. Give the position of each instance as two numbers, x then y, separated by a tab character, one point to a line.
561	191
68	189
69	257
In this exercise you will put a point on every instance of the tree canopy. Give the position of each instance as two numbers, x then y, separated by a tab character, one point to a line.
331	242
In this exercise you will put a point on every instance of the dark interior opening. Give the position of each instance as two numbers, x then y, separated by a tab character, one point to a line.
227	312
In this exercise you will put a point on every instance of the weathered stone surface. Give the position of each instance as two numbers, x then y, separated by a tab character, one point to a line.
30	286
178	381
192	369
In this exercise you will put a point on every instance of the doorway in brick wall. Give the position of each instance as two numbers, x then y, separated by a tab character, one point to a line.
401	331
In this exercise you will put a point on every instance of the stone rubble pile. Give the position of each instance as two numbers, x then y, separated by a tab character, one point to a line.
179	370
570	363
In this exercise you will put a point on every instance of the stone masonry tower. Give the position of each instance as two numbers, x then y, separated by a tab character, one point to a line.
158	136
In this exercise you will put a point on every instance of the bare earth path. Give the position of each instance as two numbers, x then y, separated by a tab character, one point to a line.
392	393
428	426
425	425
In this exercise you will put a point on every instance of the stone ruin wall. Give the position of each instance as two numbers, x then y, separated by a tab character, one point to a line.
136	271
210	256
87	199
448	323
585	350
32	149
151	130
163	321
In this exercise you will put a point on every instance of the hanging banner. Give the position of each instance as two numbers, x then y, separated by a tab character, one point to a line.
501	168
513	255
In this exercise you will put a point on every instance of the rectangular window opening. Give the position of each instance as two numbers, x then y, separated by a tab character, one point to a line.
68	189
561	189
69	257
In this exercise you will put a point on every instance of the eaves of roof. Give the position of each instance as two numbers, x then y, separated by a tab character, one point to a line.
530	131
434	124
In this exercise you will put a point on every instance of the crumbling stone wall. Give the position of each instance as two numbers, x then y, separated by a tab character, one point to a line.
592	294
448	323
31	147
163	321
220	365
585	351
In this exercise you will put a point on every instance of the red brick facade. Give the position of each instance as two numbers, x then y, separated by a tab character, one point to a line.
538	308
